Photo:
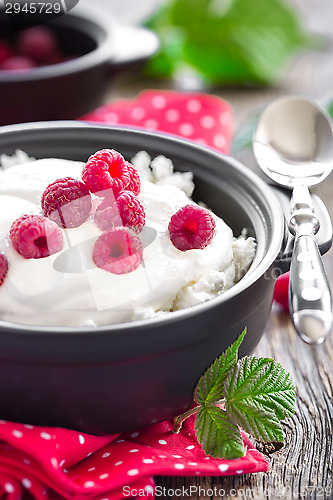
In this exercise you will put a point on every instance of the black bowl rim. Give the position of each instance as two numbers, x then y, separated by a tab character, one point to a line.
103	53
256	271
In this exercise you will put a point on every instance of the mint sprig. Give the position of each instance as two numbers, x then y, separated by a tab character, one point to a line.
252	393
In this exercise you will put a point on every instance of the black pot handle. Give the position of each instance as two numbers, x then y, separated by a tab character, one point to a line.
132	45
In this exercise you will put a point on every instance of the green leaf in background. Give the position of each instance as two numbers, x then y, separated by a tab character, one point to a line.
258	393
218	436
209	385
226	41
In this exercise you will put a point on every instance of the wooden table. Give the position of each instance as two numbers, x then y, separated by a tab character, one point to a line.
303	467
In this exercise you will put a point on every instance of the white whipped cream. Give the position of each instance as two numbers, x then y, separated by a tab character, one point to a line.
67	289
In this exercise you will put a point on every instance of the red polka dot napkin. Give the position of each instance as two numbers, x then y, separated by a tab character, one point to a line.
53	463
203	118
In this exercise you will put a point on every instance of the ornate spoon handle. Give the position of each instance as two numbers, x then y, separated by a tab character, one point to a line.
310	299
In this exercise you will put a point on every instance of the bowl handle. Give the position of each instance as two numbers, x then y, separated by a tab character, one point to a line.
132	45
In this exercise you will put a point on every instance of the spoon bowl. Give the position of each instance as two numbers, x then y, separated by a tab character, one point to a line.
293	142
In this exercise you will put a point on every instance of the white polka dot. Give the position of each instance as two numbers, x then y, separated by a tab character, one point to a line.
28	426
9	487
81	439
186	129
132	472
219	141
149	489
3	422
45	435
104	476
162	456
179	466
88	454
311	293
223	467
134	450
224	118
111	117
91	469
134	434
54	462
89	484
151	123
207	122
308	274
172	115
193	105
65	471
198	473
176	456
62	463
118	463
17	434
148	461
159	101
138	113
26	461
162	441
239	472
304	256
193	463
190	447
26	483
107	454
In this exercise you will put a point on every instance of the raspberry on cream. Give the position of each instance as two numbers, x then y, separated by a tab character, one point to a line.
97	279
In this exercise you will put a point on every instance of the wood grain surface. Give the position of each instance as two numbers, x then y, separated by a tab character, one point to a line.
303	467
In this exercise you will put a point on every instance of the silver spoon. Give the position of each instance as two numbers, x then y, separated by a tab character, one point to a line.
293	145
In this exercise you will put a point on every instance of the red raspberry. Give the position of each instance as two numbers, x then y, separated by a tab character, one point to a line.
105	170
67	202
126	210
118	251
35	236
17	63
191	227
281	291
5	51
3	267
38	44
135	181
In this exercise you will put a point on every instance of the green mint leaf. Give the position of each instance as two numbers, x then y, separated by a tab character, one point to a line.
258	393
218	436
209	386
240	41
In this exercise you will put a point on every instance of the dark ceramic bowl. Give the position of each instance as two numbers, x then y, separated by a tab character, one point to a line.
70	89
120	377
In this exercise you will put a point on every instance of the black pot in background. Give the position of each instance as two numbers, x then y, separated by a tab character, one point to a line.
70	89
119	377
